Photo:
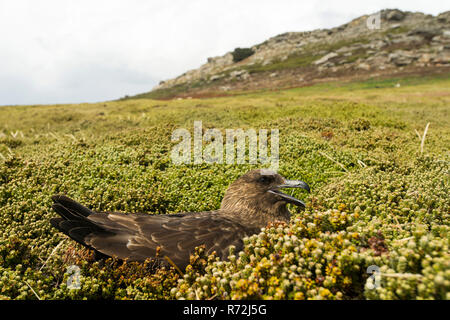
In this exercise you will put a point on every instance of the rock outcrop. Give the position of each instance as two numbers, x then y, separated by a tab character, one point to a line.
403	40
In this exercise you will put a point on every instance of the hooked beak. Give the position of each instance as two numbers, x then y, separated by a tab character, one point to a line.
291	184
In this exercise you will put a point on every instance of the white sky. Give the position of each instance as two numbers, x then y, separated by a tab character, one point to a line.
61	51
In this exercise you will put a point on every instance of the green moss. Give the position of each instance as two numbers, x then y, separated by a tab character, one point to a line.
395	31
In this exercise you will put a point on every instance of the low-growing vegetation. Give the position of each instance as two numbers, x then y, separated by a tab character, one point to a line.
379	181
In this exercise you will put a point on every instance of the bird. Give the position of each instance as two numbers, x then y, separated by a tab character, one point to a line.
250	203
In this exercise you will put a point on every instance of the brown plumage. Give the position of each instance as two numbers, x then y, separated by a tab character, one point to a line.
249	204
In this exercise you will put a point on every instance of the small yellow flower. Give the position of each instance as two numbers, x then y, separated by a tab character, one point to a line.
299	296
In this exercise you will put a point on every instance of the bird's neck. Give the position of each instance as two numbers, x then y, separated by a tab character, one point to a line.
256	213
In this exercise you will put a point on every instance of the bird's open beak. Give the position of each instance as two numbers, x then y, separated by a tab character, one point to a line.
291	184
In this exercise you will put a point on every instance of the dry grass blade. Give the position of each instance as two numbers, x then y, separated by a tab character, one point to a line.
404	239
32	290
335	161
423	137
51	254
362	164
174	265
418	134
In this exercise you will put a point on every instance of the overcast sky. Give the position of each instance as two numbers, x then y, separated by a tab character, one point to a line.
61	51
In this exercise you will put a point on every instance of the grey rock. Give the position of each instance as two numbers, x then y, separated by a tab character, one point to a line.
426	33
444	17
426	57
239	74
363	66
402	58
395	15
395	26
325	58
216	77
442	58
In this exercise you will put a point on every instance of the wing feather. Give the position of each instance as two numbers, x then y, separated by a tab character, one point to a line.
136	237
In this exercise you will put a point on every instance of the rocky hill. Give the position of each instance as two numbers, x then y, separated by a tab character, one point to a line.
398	43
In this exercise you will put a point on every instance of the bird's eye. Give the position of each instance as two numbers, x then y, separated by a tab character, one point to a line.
264	179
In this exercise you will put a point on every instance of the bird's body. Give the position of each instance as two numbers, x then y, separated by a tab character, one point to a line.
250	203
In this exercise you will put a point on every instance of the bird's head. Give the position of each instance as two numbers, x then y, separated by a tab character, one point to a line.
257	193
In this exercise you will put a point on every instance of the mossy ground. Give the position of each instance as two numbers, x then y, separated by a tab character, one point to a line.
376	198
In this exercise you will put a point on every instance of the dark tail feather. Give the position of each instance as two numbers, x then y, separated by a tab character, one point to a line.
55	223
72	206
74	220
64	212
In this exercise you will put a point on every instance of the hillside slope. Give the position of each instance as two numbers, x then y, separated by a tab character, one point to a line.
406	43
